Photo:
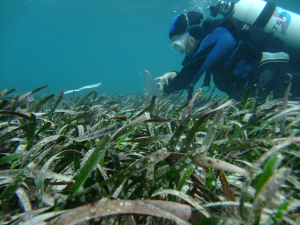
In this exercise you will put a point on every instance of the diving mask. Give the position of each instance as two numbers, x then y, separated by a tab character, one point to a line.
178	45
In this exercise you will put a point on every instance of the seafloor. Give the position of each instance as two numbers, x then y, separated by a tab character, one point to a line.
142	159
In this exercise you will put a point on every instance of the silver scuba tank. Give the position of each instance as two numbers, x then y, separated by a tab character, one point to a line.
273	19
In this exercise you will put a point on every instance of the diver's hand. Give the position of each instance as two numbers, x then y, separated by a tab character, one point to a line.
165	77
160	87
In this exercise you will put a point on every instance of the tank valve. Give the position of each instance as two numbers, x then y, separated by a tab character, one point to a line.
222	7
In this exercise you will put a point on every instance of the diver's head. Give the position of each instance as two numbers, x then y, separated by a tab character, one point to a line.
185	29
184	43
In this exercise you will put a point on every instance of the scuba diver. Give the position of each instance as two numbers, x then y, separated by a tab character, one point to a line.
238	55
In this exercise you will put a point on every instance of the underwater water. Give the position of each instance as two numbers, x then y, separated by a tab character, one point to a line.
73	43
113	159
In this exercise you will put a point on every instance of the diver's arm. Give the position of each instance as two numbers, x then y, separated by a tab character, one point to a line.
221	47
184	77
164	80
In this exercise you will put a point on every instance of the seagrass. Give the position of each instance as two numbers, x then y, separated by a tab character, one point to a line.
132	159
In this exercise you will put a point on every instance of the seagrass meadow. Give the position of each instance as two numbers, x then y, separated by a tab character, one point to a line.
142	159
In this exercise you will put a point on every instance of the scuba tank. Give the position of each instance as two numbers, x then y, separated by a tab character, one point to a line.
272	19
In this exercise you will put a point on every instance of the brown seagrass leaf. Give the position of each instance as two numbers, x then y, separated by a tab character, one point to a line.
118	118
180	210
185	197
227	192
98	133
110	110
219	164
70	112
157	138
155	118
3	93
119	207
16	114
49	175
30	93
204	161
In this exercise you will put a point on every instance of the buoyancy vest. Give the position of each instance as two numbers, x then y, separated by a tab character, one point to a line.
252	41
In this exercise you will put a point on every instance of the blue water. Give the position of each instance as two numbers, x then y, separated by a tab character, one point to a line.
72	43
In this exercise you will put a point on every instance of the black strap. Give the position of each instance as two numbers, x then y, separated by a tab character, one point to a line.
265	15
206	81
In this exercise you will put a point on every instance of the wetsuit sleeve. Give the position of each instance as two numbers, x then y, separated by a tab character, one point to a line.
217	45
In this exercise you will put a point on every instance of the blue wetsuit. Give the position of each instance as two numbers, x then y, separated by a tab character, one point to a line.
217	45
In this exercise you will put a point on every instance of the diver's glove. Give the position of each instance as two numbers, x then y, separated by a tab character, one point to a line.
164	79
160	87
